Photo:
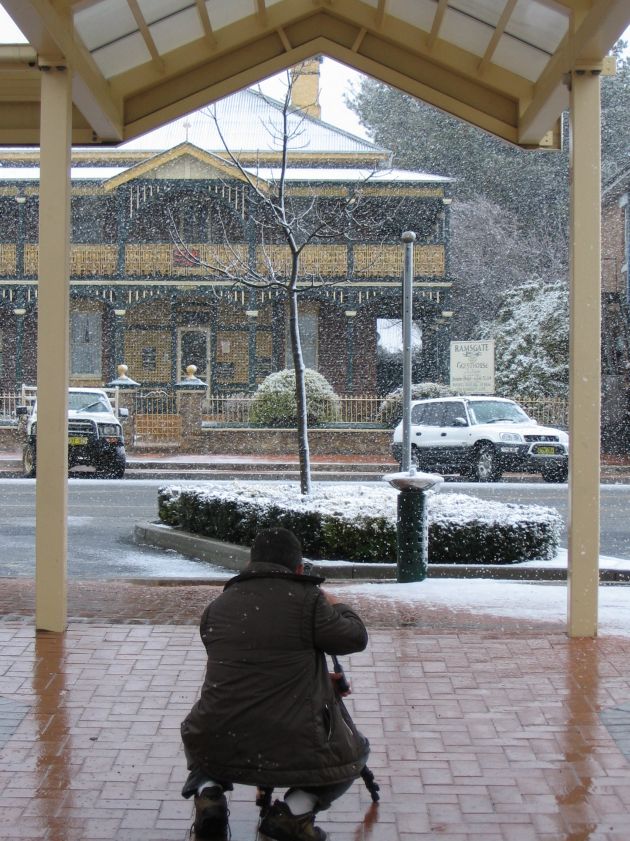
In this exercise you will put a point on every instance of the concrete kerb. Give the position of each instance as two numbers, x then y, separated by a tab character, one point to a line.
233	557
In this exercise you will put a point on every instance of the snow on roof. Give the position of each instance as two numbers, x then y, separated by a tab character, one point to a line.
250	122
77	173
310	174
347	174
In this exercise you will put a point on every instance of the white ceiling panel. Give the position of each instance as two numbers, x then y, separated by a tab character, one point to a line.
154	10
519	58
466	32
224	13
176	30
485	11
96	28
122	55
420	13
538	24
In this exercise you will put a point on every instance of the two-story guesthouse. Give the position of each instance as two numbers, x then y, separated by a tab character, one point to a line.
138	297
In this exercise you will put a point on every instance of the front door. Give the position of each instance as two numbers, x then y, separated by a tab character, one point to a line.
193	348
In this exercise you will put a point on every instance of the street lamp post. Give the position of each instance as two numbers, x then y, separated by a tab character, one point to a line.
411	520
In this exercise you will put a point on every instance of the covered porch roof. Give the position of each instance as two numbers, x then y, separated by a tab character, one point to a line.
136	64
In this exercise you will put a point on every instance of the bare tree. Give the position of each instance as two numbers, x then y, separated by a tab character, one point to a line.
296	222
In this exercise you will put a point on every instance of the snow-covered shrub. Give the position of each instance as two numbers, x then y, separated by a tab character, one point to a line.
531	331
391	409
357	523
274	402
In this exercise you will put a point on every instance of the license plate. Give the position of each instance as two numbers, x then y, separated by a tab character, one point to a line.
546	451
77	441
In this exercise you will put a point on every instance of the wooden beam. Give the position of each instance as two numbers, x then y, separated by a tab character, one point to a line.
202	11
437	22
356	44
49	33
283	38
380	13
262	12
139	18
506	14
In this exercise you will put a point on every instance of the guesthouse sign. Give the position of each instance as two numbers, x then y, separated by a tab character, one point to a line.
472	367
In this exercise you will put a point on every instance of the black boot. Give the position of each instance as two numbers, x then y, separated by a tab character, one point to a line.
281	824
211	815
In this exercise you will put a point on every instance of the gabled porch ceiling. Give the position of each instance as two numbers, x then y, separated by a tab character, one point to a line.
499	64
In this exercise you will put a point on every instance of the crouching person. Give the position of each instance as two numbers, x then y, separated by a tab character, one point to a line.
268	714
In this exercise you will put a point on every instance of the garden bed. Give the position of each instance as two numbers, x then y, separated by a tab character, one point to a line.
355	522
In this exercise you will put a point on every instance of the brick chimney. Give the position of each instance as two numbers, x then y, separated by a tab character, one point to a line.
305	90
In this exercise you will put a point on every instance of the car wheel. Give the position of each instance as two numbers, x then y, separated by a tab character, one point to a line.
111	468
485	464
555	472
28	461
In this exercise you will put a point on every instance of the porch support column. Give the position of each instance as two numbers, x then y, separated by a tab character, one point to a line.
51	499
350	317
19	313
252	323
585	364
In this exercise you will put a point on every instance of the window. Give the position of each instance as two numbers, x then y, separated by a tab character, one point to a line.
85	343
427	414
149	358
389	335
433	414
452	411
308	339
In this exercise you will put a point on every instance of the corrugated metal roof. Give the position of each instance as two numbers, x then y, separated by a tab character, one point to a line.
250	122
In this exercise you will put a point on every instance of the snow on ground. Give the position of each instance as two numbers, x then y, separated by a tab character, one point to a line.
544	602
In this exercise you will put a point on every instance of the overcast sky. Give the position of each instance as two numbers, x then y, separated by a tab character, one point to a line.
336	80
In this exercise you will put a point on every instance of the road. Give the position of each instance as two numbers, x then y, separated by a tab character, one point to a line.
102	514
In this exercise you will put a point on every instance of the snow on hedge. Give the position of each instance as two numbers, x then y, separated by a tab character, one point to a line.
357	522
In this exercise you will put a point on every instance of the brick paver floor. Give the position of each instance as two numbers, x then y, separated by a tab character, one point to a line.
481	729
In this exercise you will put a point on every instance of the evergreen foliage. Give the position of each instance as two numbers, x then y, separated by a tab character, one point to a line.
531	331
274	402
524	533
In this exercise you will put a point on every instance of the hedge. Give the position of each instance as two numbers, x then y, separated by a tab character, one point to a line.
358	522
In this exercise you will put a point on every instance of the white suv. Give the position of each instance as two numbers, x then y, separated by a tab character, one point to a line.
481	437
95	436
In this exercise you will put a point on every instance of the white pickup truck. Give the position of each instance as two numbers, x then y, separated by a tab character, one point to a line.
95	435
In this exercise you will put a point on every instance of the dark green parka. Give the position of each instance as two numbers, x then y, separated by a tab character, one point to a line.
268	714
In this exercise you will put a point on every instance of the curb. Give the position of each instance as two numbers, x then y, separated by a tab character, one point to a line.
236	558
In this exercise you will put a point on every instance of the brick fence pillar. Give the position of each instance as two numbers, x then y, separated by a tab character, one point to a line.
126	389
190	392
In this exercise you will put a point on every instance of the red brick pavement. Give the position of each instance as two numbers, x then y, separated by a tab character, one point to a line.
480	731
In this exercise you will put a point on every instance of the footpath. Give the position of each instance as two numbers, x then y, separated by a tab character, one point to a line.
155	464
482	726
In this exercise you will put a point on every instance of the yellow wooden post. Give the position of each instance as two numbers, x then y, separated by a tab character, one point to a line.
585	372
51	503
